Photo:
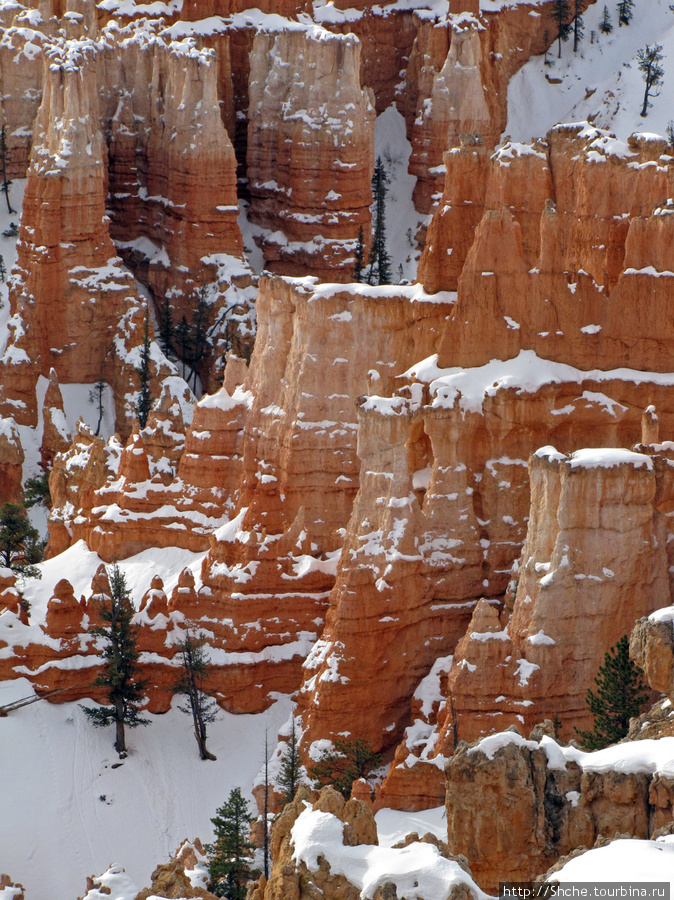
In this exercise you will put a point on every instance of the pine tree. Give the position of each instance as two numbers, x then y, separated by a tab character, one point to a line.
380	261
265	845
230	853
288	778
651	71
578	30
620	696
360	256
166	328
6	183
144	401
3	270
606	25
350	760
184	338
561	14
125	690
96	396
201	706
625	12
670	134
200	325
20	546
36	491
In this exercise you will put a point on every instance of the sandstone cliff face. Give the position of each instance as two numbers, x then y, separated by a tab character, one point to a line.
71	298
438	522
652	648
515	806
546	265
457	82
310	150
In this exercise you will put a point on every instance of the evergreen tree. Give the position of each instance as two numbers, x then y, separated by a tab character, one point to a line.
670	134
625	12
3	270
620	696
288	778
201	706
350	760
578	30
166	328
651	71
265	845
36	491
96	396
200	325
229	855
144	401
360	256
125	690
380	261
20	545
6	183
12	231
561	15
606	25
184	338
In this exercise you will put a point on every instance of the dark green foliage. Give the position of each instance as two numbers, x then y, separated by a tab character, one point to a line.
184	338
230	853
670	134
651	71
200	704
561	17
351	759
625	12
36	491
144	401
200	326
360	256
96	396
606	25
380	262
620	696
12	231
166	328
5	183
577	24
125	690
20	544
3	270
289	774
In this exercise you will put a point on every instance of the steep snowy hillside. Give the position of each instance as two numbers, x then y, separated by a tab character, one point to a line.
601	82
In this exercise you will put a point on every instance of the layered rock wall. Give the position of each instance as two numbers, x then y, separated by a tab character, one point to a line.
515	806
310	150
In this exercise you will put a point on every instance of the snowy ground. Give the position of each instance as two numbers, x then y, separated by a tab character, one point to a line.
600	82
67	813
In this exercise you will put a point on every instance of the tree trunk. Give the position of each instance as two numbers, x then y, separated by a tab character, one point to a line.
120	738
644	110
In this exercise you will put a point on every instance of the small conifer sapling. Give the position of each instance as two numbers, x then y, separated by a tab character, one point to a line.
231	851
144	401
620	696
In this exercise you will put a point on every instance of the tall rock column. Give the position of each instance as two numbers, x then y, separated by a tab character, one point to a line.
72	302
310	150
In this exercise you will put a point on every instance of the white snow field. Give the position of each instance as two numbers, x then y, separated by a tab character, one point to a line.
623	861
600	82
68	809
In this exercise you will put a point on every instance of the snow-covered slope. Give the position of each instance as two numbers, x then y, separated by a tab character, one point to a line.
69	808
601	82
